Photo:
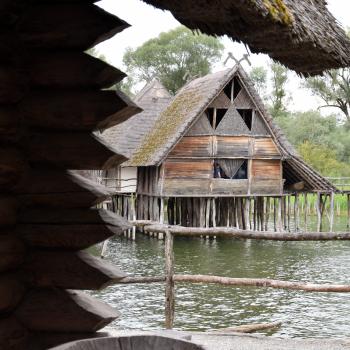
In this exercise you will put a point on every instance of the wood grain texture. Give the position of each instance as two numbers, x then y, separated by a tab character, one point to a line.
229	187
70	150
266	169
232	124
13	84
8	210
12	168
55	188
265	147
195	169
232	146
185	187
75	109
69	270
12	252
55	310
55	26
69	237
11	293
9	124
265	186
71	70
192	146
13	335
243	100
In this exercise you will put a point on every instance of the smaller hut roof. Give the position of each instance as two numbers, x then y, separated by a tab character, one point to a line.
301	34
127	136
189	104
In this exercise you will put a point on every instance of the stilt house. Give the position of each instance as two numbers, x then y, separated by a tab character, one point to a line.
213	141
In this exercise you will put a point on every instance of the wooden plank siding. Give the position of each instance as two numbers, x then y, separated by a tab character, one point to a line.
193	146
195	169
186	187
229	187
231	146
265	147
266	176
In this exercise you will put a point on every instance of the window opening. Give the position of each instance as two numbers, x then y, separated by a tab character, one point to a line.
247	116
215	116
233	169
228	90
237	87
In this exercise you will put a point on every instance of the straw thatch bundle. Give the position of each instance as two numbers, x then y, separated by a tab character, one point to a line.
303	35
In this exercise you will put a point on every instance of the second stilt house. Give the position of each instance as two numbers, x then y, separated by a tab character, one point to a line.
203	155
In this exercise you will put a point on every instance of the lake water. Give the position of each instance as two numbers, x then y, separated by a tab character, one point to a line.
204	307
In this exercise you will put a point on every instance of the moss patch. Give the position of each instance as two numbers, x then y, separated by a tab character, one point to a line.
278	11
167	125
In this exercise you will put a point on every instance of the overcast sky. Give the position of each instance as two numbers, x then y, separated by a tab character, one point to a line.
147	22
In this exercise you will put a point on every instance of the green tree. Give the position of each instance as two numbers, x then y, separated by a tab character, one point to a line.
334	90
279	95
258	75
173	57
323	159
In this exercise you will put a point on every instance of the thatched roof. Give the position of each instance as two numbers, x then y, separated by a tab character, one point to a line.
301	34
127	136
189	104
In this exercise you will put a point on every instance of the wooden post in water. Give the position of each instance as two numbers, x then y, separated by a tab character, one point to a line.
331	212
161	217
348	225
305	211
133	210
169	281
279	214
214	213
318	208
288	213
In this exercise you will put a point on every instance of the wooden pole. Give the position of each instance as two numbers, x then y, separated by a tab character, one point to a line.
264	282
348	225
279	214
169	280
318	208
331	213
305	211
267	215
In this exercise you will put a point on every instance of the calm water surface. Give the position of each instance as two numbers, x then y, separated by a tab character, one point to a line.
204	307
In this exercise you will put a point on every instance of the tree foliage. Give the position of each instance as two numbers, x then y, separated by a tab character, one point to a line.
258	75
173	57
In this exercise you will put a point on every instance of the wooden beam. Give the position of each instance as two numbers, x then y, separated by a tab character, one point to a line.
230	232
70	237
12	252
248	328
263	282
70	150
11	293
169	281
55	310
78	110
69	270
55	26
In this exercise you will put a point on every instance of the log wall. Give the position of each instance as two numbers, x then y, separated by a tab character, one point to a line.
51	100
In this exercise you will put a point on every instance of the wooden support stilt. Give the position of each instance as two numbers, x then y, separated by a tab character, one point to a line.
169	280
279	214
214	212
348	201
306	203
288	212
274	215
331	212
318	208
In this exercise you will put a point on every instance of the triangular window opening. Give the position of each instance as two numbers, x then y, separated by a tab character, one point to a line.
228	90
227	169
237	87
215	115
247	116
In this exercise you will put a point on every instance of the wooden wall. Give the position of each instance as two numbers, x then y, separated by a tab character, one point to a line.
51	99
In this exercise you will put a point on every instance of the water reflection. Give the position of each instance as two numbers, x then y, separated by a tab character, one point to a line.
203	307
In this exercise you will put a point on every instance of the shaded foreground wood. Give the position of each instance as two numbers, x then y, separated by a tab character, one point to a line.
249	328
231	232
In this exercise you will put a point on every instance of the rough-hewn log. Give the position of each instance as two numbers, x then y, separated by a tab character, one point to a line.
8	210
11	292
12	168
139	279
70	150
12	84
55	26
231	232
70	270
70	237
70	70
249	328
12	252
169	280
55	310
76	109
264	282
55	188
9	124
12	334
72	217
